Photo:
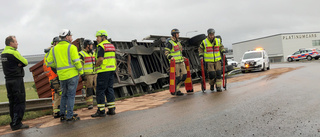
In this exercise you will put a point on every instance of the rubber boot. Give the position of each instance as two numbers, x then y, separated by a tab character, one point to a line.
179	93
63	117
99	114
90	106
74	118
212	88
111	111
56	115
23	126
219	89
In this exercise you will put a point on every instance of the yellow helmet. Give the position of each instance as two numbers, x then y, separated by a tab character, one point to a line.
101	33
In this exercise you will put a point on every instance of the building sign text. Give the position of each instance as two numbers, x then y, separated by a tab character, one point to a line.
299	36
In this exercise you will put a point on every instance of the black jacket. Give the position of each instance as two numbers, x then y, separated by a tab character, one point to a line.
11	59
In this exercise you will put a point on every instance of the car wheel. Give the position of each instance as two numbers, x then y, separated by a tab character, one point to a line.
243	71
316	58
263	67
309	58
290	59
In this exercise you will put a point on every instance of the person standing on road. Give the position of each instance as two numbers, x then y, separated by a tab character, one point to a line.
89	80
105	68
53	80
210	50
173	50
12	64
65	58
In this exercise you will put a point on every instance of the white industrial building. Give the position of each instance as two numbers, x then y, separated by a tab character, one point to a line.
278	46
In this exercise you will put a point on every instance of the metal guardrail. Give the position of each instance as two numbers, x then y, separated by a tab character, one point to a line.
37	104
236	71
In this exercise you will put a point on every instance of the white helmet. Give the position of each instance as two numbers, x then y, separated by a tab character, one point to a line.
65	32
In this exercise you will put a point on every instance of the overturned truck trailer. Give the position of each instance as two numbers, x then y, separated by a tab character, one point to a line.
141	66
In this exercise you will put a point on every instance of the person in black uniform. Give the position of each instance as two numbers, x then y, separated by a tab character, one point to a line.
12	64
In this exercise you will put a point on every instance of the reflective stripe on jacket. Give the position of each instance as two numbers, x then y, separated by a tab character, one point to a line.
88	62
176	51
109	61
64	56
10	59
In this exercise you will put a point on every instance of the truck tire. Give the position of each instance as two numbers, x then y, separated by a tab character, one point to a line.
196	40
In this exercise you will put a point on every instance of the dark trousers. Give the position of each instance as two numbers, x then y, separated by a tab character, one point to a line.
105	87
17	100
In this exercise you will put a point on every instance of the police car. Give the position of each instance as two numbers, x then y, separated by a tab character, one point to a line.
255	60
308	54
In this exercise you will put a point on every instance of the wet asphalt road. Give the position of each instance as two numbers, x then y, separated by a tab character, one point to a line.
285	106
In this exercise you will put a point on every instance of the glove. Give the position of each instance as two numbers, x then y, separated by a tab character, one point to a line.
83	77
46	50
169	57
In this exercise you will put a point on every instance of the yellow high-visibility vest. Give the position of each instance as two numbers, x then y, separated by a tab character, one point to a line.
65	57
176	52
88	62
212	53
109	62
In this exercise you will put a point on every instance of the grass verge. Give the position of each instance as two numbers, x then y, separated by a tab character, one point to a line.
29	88
5	119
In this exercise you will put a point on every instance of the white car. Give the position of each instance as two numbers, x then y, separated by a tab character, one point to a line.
232	62
255	60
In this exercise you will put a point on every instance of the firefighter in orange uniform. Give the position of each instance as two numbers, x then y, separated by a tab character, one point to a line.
53	80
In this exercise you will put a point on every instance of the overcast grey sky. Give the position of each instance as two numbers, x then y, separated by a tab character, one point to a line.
36	22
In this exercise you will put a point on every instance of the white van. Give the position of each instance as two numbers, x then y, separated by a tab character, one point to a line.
255	60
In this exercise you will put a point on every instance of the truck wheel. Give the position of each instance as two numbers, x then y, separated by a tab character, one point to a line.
268	68
243	71
309	58
290	59
196	40
264	67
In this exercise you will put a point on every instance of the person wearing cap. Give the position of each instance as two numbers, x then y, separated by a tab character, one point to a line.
173	50
65	58
51	73
89	81
210	50
12	65
105	68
